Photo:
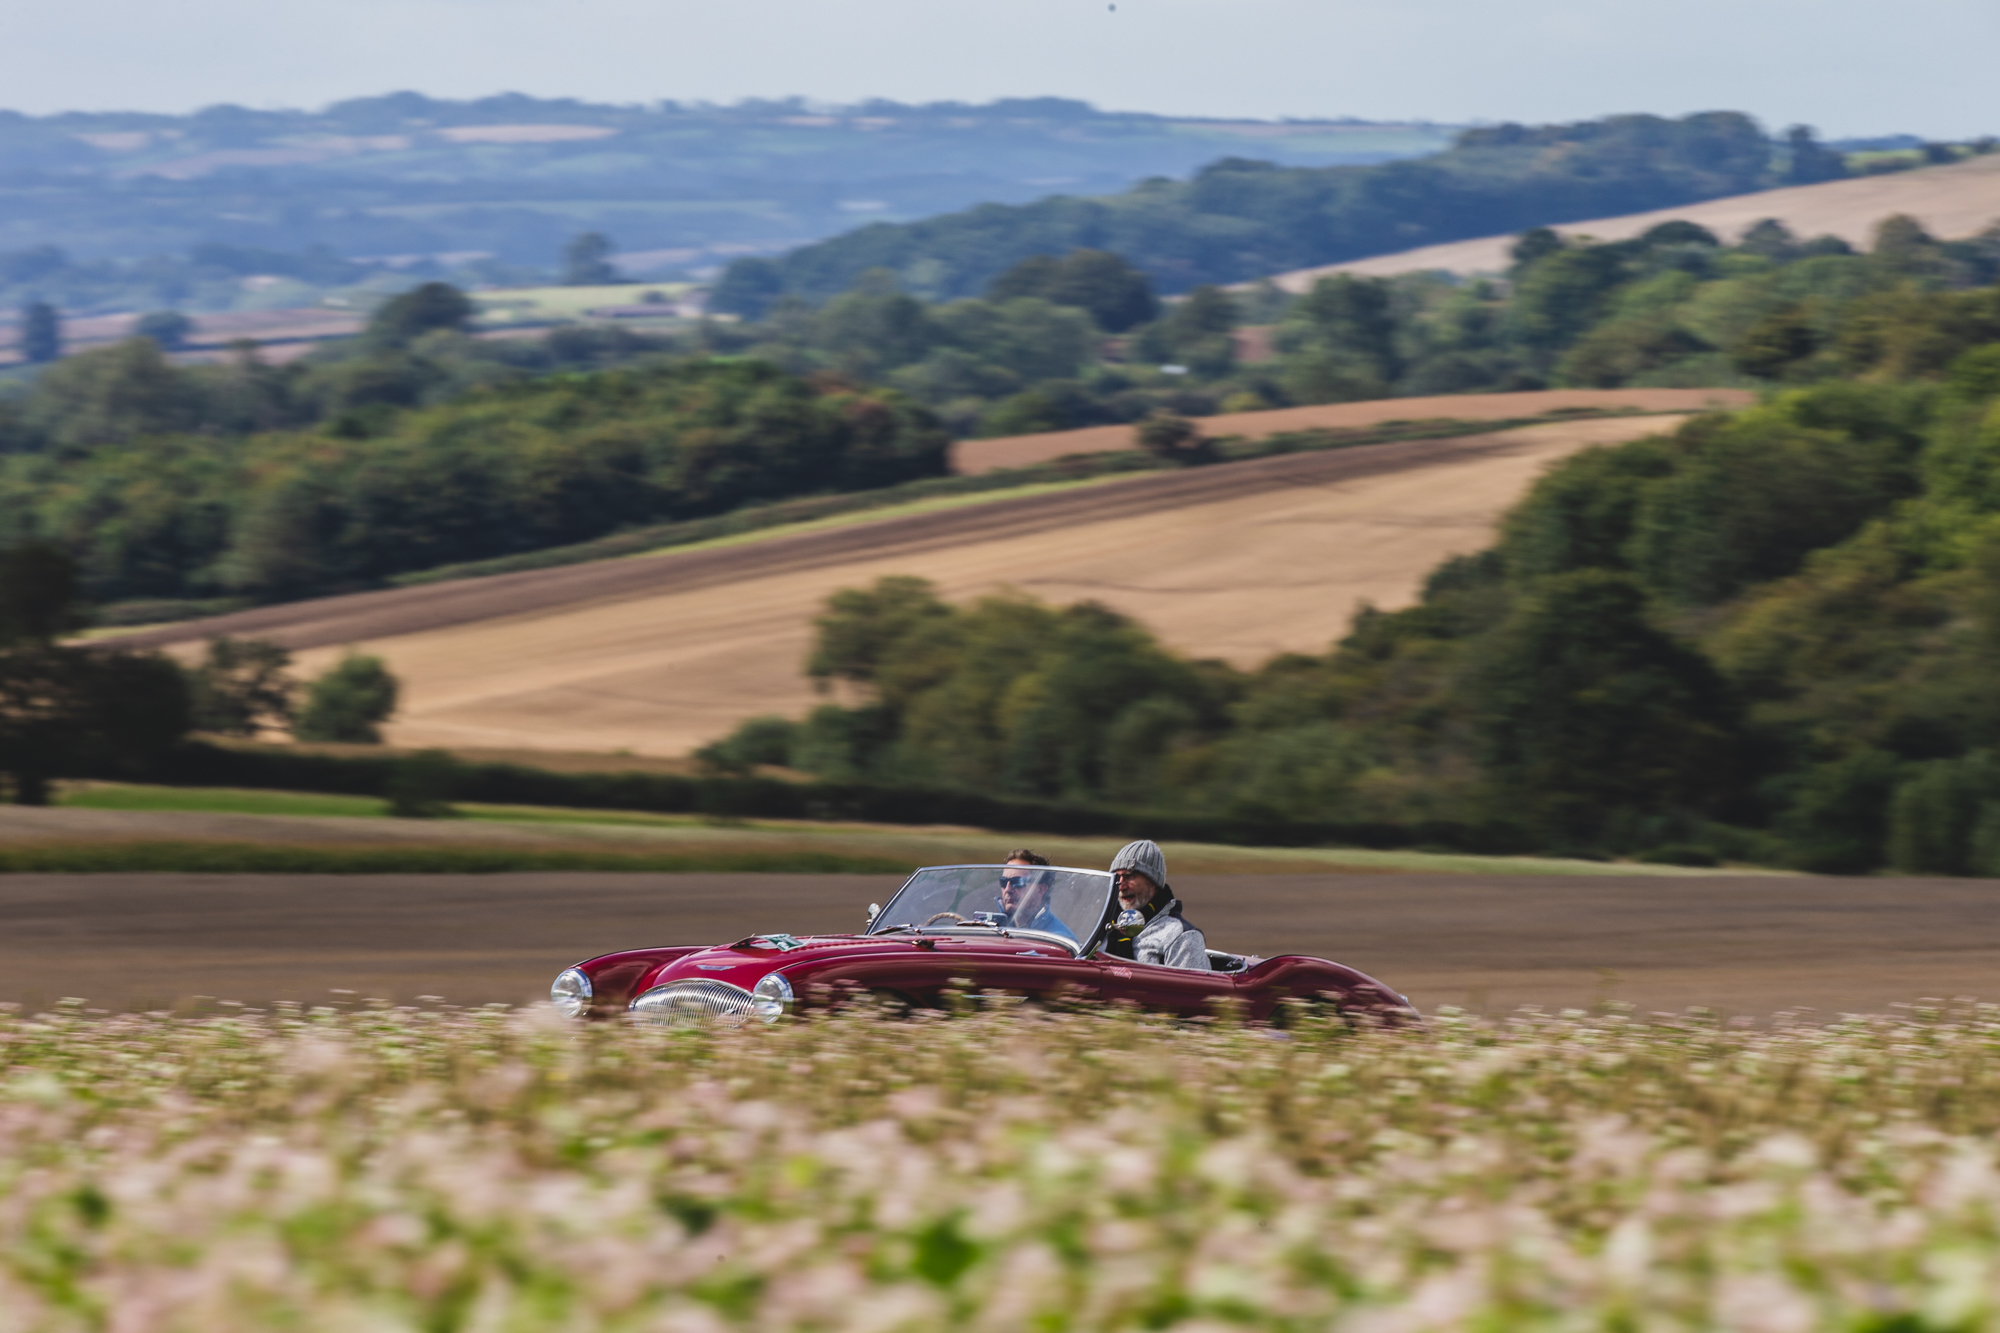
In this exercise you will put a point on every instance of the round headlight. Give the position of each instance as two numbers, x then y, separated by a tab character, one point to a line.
772	998
570	993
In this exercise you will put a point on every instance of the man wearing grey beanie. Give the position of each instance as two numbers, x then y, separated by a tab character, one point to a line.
1150	928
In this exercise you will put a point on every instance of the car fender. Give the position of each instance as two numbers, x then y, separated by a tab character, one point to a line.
1298	977
615	977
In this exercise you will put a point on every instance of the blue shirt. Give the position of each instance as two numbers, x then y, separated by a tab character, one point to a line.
1048	921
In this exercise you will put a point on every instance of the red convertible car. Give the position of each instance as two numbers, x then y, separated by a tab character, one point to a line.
1032	931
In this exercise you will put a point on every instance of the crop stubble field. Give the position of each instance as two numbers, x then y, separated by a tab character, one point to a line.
658	654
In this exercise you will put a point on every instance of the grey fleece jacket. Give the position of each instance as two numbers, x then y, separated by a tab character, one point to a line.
1169	941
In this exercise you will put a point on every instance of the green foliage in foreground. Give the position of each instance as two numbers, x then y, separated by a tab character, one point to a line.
193	856
1073	1173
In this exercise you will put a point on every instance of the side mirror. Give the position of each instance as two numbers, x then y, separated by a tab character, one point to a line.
874	910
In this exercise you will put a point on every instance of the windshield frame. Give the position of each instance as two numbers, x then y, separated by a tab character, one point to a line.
1081	948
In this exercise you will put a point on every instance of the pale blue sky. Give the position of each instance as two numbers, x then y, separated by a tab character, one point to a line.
1923	66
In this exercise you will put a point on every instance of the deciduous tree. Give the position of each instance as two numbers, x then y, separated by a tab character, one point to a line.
242	687
63	706
1582	706
349	703
587	261
168	328
41	333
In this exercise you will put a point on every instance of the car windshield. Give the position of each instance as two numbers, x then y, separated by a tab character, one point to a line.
1068	904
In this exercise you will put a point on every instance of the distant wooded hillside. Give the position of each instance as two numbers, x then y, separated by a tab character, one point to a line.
491	190
1240	219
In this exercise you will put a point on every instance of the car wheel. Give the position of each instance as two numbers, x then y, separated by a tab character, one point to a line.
888	1004
1305	1012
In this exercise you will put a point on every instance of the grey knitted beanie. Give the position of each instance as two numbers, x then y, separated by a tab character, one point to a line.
1145	857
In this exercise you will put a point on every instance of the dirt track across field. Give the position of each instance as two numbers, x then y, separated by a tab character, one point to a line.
1950	201
658	654
1748	945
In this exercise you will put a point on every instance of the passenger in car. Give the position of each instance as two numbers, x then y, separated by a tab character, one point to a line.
1150	928
1024	895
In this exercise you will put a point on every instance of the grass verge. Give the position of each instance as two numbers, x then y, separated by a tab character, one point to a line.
219	801
640	840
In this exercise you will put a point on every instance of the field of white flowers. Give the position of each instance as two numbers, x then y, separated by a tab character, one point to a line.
380	1169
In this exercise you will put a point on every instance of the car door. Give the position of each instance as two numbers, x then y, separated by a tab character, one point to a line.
1167	989
1041	970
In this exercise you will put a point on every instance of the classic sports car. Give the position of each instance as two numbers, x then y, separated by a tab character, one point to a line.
1034	931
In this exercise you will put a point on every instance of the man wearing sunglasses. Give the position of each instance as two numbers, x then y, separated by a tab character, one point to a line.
1149	927
1024	895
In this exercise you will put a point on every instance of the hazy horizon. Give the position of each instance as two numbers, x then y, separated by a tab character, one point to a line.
1832	65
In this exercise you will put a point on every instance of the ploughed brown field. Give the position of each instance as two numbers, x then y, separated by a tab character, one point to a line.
658	654
1747	945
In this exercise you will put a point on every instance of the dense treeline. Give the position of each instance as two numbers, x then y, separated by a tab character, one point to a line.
414	447
1771	635
1078	341
1238	220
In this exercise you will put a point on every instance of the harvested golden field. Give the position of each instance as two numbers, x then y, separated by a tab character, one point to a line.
1951	201
660	653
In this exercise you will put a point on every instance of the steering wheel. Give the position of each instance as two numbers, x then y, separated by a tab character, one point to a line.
940	916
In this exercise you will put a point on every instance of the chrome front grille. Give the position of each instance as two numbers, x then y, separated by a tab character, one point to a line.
686	1003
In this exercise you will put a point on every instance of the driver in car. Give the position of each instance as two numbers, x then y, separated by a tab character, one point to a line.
1024	894
1150	928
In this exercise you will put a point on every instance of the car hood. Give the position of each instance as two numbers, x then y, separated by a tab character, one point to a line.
621	976
746	961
